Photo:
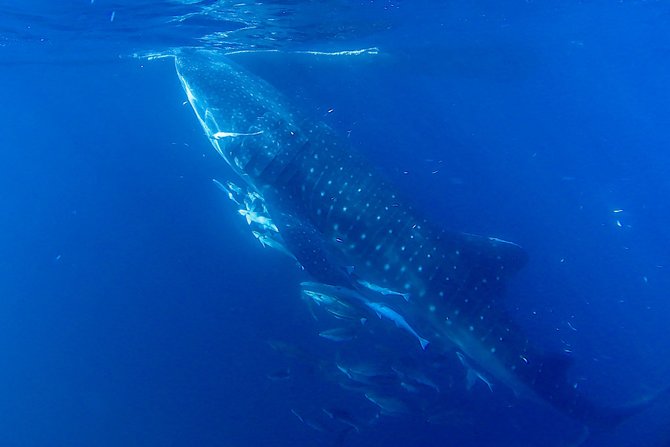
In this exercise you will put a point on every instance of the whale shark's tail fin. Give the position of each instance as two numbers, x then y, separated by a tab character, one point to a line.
548	374
599	418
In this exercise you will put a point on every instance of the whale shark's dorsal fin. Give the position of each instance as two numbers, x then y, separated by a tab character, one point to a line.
489	263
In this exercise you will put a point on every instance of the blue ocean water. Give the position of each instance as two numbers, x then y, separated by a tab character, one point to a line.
137	309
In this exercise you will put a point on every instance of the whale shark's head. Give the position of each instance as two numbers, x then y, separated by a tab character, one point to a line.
246	120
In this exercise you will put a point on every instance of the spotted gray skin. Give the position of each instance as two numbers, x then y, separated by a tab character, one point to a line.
349	219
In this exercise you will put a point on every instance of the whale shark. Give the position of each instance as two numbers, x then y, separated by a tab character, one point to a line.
351	229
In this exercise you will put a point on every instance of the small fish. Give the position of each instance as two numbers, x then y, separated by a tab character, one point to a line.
260	219
268	241
502	241
343	294
384	311
254	200
369	374
472	374
342	416
233	187
335	294
383	290
222	135
342	313
389	406
319	298
232	191
359	370
416	377
311	423
296	414
336	300
339	334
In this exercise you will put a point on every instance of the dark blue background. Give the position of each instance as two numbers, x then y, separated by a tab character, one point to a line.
135	308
